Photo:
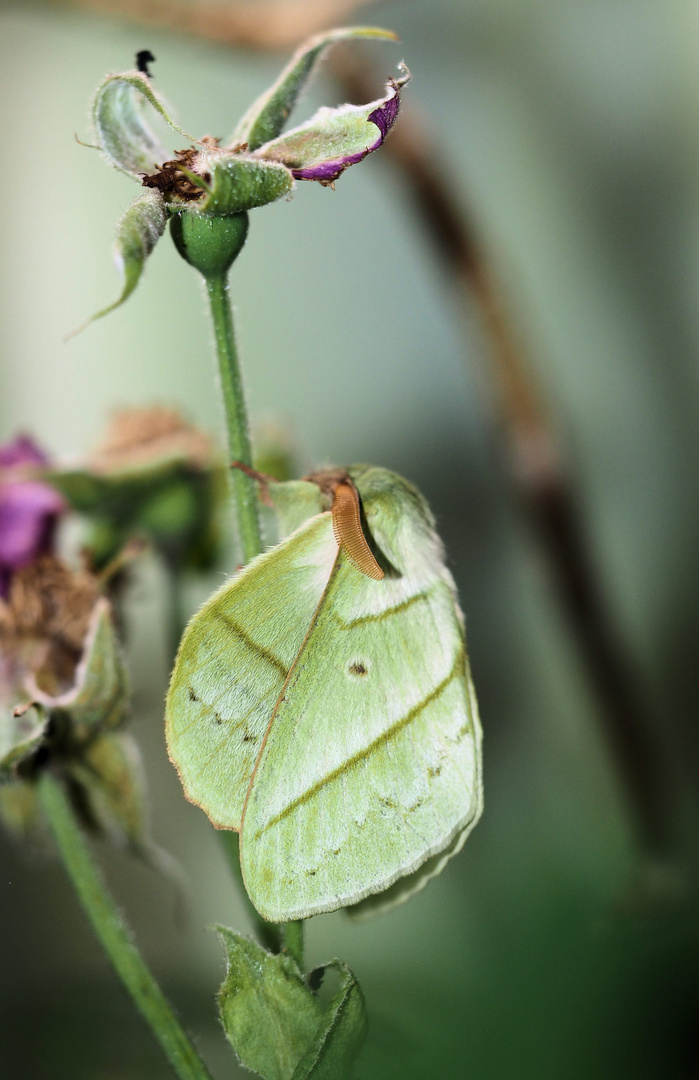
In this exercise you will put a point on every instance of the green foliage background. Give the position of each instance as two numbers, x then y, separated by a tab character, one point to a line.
571	131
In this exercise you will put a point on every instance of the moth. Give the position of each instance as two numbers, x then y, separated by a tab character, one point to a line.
322	705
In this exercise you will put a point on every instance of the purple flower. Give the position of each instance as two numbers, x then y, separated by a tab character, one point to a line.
29	509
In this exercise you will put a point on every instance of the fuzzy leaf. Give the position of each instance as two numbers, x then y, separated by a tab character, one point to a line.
242	183
20	735
121	130
266	118
268	1012
333	139
340	1034
98	699
138	231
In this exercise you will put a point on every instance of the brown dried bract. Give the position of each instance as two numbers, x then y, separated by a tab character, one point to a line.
170	180
137	437
44	621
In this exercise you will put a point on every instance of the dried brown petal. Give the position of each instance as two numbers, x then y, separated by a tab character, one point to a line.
137	437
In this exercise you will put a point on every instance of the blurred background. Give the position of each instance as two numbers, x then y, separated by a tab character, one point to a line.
564	940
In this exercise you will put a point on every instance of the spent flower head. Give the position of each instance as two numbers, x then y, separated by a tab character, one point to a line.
154	477
63	703
206	189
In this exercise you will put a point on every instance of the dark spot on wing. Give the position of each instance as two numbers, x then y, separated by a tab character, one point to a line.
192	695
358	668
218	718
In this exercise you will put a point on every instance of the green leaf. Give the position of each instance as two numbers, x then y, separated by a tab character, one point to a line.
340	1034
266	118
268	1012
22	730
138	231
241	183
120	127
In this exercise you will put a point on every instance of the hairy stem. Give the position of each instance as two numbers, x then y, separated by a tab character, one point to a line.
114	934
289	935
244	493
292	940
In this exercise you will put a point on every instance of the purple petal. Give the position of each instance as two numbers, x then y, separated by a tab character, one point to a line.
383	117
29	511
21	451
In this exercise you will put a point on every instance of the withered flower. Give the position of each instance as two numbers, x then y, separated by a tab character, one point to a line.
154	477
257	164
63	700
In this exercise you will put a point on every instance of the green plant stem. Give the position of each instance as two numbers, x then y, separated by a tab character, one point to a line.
292	940
244	493
113	933
289	935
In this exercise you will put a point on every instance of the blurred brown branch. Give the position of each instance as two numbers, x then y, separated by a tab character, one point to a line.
259	24
535	463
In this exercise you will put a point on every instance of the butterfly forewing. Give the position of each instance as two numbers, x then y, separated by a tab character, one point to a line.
371	765
232	664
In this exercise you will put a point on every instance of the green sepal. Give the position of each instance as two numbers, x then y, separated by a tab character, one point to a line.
340	1034
22	730
241	183
120	127
268	1012
110	772
208	242
138	231
98	699
334	138
266	118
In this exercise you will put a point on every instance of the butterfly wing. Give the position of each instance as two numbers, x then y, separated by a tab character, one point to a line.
233	662
371	765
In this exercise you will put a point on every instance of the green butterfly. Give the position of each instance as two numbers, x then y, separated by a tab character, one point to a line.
322	704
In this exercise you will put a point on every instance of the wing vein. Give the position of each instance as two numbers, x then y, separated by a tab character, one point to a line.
365	753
